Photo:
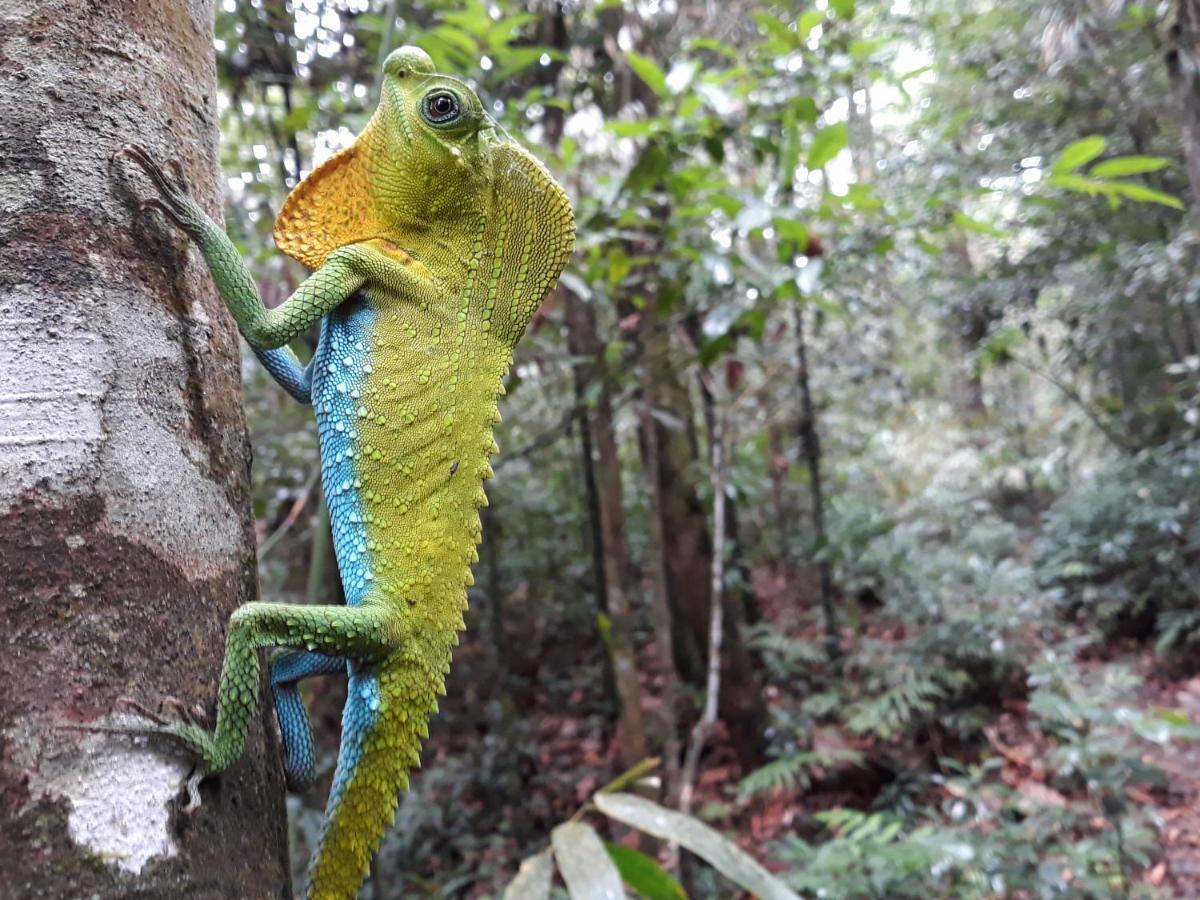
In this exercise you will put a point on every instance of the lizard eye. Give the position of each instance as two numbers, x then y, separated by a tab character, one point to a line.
441	108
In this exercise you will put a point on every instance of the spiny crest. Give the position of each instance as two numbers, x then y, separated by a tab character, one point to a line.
527	192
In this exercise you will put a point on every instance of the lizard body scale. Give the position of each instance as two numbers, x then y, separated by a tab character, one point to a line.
433	239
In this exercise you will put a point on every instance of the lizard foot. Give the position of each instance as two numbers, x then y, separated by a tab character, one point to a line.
193	738
138	708
193	715
174	200
190	715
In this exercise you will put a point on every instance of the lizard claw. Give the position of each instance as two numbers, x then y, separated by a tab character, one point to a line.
153	203
193	715
177	174
192	787
173	201
140	709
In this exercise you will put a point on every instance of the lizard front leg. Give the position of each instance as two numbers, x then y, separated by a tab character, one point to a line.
344	271
289	373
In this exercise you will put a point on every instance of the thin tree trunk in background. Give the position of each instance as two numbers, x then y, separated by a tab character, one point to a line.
602	471
660	603
125	532
594	538
811	443
493	526
1183	58
970	321
317	588
685	543
587	455
778	463
581	327
712	686
688	550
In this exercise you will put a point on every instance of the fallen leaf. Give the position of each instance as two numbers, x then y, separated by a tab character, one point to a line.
1040	794
1156	875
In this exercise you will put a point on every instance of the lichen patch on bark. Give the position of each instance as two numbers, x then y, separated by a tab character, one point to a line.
119	791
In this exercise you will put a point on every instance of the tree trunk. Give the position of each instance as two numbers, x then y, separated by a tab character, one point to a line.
687	549
1183	56
810	441
582	331
125	531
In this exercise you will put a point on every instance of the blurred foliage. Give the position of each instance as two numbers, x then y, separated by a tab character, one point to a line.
979	214
1121	550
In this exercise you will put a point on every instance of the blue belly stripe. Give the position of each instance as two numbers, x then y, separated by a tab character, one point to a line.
338	382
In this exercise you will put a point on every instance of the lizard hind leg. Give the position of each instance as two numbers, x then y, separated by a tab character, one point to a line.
287	670
364	633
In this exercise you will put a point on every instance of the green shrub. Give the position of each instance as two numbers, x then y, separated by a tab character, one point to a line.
1121	551
977	836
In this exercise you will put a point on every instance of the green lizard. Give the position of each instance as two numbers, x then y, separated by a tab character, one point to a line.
433	239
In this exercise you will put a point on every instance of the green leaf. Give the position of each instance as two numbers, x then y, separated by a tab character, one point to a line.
472	21
516	59
586	867
860	50
808	21
962	220
1139	193
844	8
650	167
1078	183
1114	189
643	874
827	144
789	152
1128	165
533	878
712	44
1079	153
998	349
499	33
806	109
722	854
777	29
1174	717
630	775
862	196
636	129
648	70
830	306
792	231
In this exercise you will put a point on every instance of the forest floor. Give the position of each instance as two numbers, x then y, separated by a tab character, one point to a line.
1179	810
1176	806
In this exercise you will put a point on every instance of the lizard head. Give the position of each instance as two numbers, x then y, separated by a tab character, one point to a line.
434	174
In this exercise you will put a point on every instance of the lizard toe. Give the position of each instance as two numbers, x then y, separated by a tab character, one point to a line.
139	708
193	792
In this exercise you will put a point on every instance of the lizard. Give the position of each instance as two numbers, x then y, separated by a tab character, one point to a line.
432	239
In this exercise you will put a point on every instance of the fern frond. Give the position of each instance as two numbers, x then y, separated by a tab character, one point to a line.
794	771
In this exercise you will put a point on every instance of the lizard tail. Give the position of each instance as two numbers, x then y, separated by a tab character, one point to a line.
385	719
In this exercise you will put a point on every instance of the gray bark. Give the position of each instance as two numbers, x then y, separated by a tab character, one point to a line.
125	530
1183	68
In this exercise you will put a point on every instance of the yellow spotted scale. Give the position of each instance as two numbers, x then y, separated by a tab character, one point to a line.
433	239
